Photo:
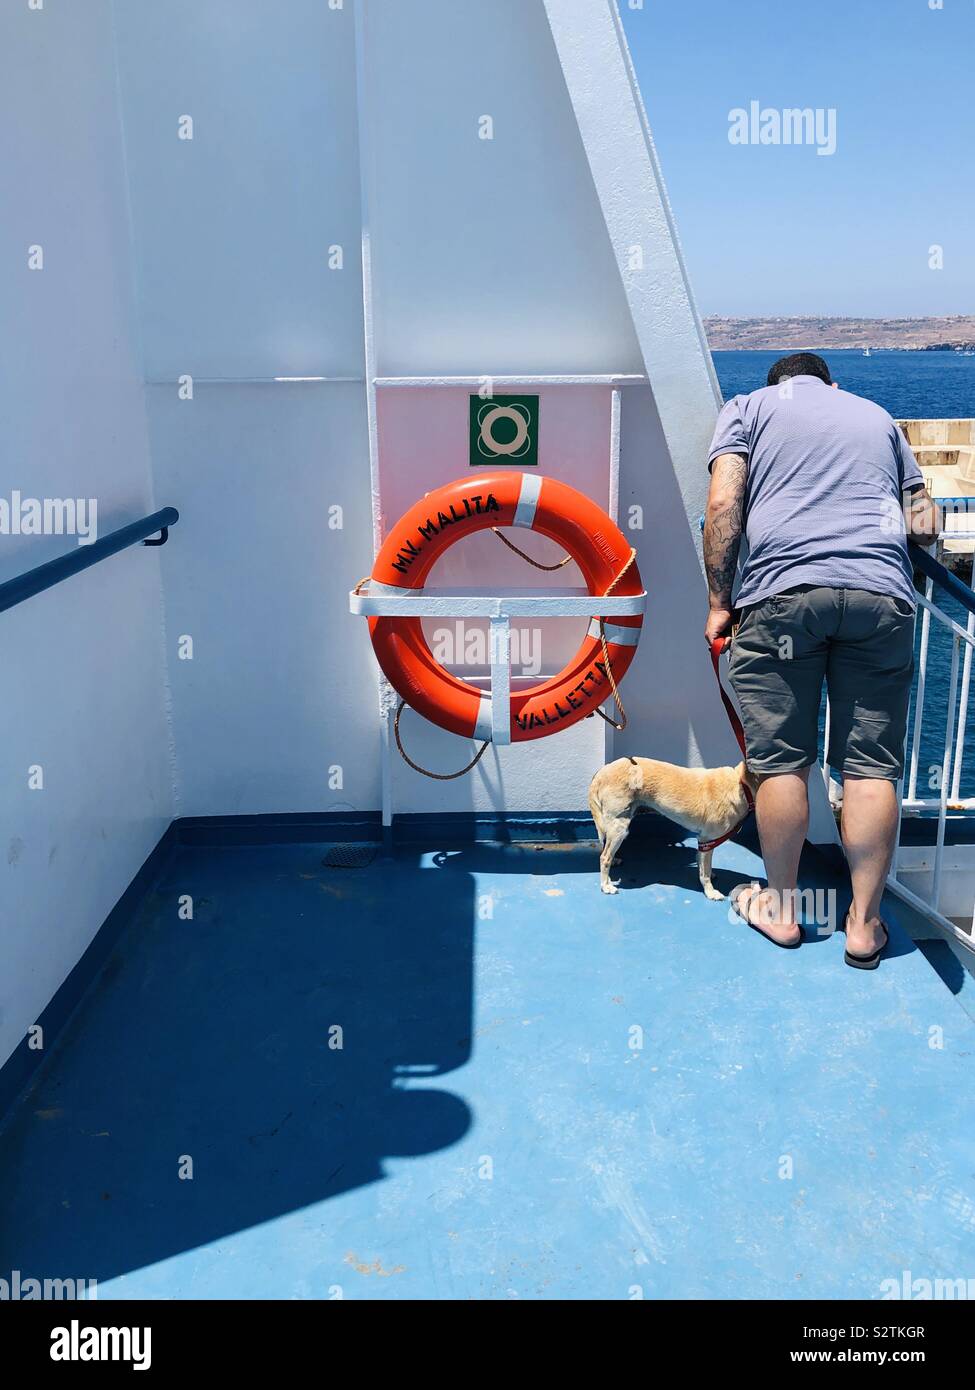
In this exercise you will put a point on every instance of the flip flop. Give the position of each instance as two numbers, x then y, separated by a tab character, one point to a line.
735	896
872	959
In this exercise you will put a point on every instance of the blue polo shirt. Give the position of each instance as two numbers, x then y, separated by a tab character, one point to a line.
827	471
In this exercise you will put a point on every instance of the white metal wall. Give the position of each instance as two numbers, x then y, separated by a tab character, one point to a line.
485	256
234	225
489	255
82	687
248	246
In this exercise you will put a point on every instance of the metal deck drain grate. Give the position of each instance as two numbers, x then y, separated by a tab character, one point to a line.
349	856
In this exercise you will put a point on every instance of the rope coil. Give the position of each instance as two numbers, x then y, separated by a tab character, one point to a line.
437	776
536	563
609	669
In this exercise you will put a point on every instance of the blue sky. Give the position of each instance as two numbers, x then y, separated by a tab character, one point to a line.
776	229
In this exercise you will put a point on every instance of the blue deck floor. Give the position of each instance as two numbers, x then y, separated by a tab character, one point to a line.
491	1126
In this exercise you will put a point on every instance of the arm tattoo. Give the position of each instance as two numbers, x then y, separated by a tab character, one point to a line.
722	529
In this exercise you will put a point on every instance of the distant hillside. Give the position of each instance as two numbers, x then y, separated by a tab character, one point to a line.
812	333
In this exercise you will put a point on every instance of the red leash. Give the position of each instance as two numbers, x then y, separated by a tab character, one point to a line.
717	647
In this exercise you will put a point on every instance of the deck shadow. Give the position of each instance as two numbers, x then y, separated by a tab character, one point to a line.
644	863
280	1045
666	858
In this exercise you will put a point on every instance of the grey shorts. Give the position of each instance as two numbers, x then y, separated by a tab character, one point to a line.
862	644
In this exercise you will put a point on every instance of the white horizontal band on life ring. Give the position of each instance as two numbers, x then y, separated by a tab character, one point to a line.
615	632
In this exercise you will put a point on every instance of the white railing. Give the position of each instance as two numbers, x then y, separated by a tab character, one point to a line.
910	860
928	862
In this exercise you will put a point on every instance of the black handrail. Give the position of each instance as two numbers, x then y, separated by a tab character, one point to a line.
944	578
35	581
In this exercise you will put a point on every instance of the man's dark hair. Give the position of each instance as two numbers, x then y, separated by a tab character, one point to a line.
799	364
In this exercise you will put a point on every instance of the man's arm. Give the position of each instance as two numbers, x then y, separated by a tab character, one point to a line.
923	517
722	537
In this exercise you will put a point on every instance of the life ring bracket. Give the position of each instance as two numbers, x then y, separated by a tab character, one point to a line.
453	603
499	609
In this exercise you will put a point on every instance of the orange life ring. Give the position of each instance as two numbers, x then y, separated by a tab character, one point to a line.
471	504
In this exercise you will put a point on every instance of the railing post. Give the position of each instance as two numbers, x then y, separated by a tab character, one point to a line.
962	713
945	771
922	671
501	679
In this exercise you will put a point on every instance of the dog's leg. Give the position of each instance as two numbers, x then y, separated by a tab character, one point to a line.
704	874
596	811
616	830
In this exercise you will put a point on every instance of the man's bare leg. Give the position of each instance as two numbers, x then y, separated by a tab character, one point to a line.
869	830
782	811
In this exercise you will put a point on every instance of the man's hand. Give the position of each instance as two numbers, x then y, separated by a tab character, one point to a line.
718	624
923	517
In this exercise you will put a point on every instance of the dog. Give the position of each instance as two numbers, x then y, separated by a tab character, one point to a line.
709	801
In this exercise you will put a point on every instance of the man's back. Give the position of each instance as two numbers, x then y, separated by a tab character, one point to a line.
826	474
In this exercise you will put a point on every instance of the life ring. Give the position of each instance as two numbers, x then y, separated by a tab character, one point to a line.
472	504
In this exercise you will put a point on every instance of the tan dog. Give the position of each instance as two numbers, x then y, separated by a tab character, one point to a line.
709	801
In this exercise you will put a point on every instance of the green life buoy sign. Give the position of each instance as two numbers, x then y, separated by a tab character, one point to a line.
504	429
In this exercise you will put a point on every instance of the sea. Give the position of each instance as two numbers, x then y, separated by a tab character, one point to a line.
910	385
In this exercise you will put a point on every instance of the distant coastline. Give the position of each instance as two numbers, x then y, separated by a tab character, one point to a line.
952	334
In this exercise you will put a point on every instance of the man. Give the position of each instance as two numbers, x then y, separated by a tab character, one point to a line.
825	489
